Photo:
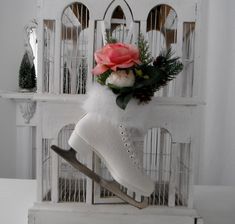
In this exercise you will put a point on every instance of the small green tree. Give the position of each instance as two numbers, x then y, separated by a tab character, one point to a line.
27	75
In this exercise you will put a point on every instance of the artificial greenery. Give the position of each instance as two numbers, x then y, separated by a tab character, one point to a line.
102	78
149	77
27	76
145	55
164	69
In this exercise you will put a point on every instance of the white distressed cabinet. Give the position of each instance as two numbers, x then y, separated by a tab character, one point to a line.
68	35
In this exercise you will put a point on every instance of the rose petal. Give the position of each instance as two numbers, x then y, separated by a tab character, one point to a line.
117	55
99	69
126	65
119	59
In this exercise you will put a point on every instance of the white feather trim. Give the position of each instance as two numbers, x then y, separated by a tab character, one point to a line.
102	103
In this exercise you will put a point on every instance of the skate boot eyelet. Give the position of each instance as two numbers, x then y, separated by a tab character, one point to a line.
136	164
126	136
122	133
127	145
132	157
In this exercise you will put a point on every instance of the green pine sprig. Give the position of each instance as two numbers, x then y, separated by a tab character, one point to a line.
145	55
165	67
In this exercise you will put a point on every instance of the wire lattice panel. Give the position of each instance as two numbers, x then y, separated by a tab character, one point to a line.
161	33
118	29
48	54
72	183
183	174
157	163
188	58
74	49
46	170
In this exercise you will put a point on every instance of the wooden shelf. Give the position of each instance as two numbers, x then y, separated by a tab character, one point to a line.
59	98
44	97
16	95
77	98
180	101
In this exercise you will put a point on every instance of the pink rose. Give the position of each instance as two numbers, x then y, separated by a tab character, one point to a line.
113	56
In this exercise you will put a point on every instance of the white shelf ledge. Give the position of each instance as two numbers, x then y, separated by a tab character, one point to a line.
180	101
77	98
44	97
59	98
16	95
105	214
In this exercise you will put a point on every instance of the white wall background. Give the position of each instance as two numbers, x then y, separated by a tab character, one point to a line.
216	158
14	15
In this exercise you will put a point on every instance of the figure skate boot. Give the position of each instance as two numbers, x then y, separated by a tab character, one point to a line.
113	146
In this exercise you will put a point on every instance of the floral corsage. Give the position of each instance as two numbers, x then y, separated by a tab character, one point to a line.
130	71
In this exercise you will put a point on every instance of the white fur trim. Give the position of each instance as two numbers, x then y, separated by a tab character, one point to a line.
101	101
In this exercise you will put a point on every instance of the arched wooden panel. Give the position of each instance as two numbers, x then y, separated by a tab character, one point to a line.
48	55
161	33
161	28
74	49
164	31
117	23
46	170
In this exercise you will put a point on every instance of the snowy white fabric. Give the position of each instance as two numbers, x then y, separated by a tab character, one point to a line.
101	102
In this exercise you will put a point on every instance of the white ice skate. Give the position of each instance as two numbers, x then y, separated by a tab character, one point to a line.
113	145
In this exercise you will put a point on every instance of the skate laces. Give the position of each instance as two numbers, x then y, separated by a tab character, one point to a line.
128	145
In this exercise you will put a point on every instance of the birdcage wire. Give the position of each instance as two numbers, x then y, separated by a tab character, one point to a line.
183	174
161	34
188	58
46	170
118	26
48	54
74	49
157	163
72	183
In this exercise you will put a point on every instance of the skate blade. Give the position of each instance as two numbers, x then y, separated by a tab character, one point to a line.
112	186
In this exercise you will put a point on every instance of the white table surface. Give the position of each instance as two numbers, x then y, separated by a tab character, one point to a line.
216	204
16	196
